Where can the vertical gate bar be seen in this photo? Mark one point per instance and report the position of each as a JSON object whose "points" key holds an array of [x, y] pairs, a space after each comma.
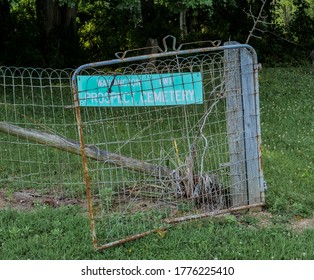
{"points": [[259, 137], [250, 126], [235, 129], [84, 161]]}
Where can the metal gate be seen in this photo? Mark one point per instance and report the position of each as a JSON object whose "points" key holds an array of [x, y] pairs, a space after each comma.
{"points": [[168, 137]]}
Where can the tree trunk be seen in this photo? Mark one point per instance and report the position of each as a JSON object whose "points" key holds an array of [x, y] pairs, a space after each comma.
{"points": [[58, 32], [183, 26], [48, 16], [92, 152], [148, 18], [4, 15]]}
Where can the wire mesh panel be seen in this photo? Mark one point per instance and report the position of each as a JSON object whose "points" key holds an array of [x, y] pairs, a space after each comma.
{"points": [[163, 139], [37, 114]]}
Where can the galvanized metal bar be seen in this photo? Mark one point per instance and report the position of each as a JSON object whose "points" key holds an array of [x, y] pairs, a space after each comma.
{"points": [[159, 55], [258, 132], [214, 213]]}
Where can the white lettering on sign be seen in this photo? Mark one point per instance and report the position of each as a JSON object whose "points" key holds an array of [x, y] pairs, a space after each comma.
{"points": [[118, 82], [146, 97]]}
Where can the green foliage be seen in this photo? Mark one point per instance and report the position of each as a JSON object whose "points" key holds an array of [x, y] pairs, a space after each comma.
{"points": [[21, 37], [302, 24], [105, 27], [186, 4], [69, 3], [290, 38]]}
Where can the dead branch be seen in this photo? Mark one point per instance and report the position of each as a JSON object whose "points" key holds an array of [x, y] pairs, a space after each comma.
{"points": [[256, 21], [92, 152], [202, 188]]}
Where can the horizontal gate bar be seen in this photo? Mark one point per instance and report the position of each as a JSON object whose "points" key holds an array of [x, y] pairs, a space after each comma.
{"points": [[158, 55]]}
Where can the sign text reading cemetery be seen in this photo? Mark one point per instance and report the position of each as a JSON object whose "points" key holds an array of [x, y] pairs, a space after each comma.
{"points": [[141, 90]]}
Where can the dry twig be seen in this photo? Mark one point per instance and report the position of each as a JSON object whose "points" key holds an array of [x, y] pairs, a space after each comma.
{"points": [[257, 20]]}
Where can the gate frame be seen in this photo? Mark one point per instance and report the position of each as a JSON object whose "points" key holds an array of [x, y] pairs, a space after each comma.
{"points": [[241, 71]]}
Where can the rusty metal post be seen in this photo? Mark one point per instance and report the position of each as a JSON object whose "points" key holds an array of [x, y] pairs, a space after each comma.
{"points": [[84, 162]]}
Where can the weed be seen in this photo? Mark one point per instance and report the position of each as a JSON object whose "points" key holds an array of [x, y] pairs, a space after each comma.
{"points": [[107, 195]]}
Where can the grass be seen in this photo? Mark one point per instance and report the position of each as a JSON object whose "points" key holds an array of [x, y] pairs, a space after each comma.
{"points": [[288, 161], [47, 233], [288, 139]]}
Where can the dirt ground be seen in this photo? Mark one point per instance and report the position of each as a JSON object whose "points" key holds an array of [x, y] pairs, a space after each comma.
{"points": [[29, 199], [302, 224], [297, 224]]}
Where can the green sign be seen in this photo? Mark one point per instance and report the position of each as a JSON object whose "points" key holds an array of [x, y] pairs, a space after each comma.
{"points": [[141, 90]]}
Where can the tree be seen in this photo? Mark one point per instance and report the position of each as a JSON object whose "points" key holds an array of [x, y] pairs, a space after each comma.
{"points": [[4, 16], [65, 33], [56, 20], [301, 26], [185, 8]]}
